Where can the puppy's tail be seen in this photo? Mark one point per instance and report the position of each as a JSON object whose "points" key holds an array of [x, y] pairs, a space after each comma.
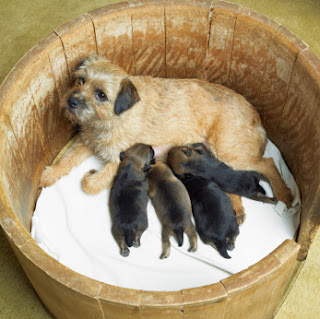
{"points": [[222, 249], [129, 237], [179, 235]]}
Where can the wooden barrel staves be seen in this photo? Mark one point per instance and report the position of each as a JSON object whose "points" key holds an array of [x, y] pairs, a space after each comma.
{"points": [[214, 41]]}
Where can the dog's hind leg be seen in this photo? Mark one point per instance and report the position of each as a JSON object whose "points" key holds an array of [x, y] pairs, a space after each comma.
{"points": [[267, 167], [96, 181], [192, 235], [166, 246], [124, 250], [238, 207]]}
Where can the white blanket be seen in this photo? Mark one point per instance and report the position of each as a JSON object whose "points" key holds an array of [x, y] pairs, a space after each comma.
{"points": [[75, 229]]}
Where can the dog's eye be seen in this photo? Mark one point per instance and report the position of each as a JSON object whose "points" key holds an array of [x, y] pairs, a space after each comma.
{"points": [[100, 96], [81, 80], [200, 152]]}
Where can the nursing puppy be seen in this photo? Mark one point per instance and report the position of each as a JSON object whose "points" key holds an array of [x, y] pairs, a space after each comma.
{"points": [[215, 220], [173, 207], [129, 197], [197, 160], [115, 111]]}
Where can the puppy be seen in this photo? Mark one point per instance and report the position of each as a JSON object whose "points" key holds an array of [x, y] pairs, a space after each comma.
{"points": [[197, 160], [115, 111], [215, 220], [129, 197], [173, 207]]}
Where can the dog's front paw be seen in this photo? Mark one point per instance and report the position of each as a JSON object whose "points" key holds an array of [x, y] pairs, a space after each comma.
{"points": [[49, 176], [93, 184], [241, 218]]}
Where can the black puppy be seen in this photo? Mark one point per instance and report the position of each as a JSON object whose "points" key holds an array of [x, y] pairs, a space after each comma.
{"points": [[198, 161], [216, 222], [173, 207], [129, 197]]}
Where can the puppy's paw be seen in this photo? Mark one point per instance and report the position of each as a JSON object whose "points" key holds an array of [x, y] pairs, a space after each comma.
{"points": [[192, 249], [164, 255], [92, 183], [49, 176], [241, 217], [125, 252]]}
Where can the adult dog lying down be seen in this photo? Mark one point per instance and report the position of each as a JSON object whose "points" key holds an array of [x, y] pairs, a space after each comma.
{"points": [[116, 110]]}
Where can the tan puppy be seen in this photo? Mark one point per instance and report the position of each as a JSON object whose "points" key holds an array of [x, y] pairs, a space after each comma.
{"points": [[173, 207], [115, 111]]}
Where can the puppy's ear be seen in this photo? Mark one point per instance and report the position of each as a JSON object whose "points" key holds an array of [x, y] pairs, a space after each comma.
{"points": [[122, 155], [146, 167], [187, 151], [127, 97]]}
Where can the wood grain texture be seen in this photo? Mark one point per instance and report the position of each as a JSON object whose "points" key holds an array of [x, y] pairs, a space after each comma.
{"points": [[148, 36], [216, 41], [113, 30], [187, 33]]}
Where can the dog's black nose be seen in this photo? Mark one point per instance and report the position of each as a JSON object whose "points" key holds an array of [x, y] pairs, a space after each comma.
{"points": [[73, 102]]}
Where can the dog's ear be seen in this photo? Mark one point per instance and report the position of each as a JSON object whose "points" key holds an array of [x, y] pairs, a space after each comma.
{"points": [[127, 97], [122, 155]]}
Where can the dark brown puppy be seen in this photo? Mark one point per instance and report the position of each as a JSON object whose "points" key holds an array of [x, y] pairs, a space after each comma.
{"points": [[216, 222], [173, 207], [198, 161], [129, 197]]}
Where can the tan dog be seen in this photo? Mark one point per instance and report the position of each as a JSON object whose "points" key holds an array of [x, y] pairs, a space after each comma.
{"points": [[116, 110], [173, 207]]}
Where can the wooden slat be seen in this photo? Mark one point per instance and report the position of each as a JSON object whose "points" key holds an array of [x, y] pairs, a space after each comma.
{"points": [[223, 21], [283, 49], [187, 33], [113, 31], [148, 36], [204, 301], [78, 39], [252, 36], [15, 176], [161, 304], [117, 303], [65, 293], [255, 292]]}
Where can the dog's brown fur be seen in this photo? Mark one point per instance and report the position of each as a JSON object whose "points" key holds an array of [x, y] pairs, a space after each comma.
{"points": [[173, 207], [164, 111]]}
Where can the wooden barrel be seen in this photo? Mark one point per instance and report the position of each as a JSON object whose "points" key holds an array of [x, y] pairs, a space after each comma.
{"points": [[214, 41]]}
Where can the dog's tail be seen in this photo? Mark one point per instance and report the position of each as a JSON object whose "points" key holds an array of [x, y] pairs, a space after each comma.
{"points": [[129, 237], [179, 235], [222, 249]]}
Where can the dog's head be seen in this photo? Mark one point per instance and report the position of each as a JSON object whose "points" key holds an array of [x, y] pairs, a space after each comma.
{"points": [[185, 160], [101, 91], [141, 156]]}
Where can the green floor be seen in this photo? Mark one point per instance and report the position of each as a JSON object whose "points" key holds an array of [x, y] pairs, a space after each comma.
{"points": [[24, 23]]}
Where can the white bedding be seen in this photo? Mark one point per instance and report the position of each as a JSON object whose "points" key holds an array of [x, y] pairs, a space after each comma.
{"points": [[75, 229]]}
